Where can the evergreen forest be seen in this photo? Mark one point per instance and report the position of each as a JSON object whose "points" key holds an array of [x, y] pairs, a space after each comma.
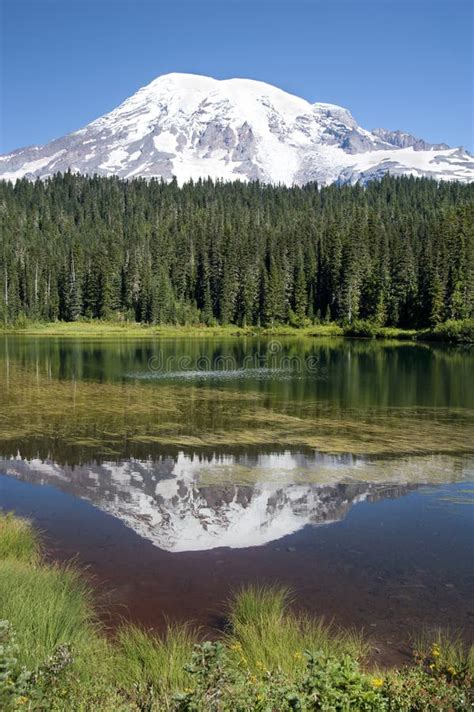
{"points": [[398, 252]]}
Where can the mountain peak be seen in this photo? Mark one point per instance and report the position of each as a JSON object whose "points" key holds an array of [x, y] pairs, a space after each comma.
{"points": [[192, 126]]}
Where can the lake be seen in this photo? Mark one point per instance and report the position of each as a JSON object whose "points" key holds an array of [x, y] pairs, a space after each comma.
{"points": [[177, 470]]}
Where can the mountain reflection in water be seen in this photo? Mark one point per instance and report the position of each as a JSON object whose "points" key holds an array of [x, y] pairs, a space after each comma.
{"points": [[187, 503]]}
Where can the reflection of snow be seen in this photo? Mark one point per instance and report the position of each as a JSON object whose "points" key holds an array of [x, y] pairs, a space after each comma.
{"points": [[189, 504]]}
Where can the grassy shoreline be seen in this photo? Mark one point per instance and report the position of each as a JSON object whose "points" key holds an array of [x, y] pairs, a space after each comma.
{"points": [[54, 655], [135, 330], [450, 331]]}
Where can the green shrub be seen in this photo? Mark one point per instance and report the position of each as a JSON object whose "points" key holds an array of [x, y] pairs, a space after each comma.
{"points": [[359, 327], [15, 679], [365, 328], [460, 331], [327, 683], [413, 689]]}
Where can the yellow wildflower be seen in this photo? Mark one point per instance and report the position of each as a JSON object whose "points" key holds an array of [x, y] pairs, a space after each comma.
{"points": [[22, 700], [435, 651], [298, 656], [377, 681]]}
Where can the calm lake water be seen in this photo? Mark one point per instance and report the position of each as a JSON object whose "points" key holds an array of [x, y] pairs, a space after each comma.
{"points": [[179, 469]]}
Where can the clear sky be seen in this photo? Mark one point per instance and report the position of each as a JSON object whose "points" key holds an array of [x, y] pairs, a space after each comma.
{"points": [[404, 64]]}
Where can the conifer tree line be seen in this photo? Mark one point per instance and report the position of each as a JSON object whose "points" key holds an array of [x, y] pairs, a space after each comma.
{"points": [[399, 251]]}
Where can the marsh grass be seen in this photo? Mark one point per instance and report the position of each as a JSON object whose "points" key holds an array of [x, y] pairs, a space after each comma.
{"points": [[97, 328], [265, 634], [17, 539], [450, 331], [48, 606], [146, 660], [368, 329]]}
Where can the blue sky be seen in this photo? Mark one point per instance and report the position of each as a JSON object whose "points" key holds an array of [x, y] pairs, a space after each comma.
{"points": [[393, 63]]}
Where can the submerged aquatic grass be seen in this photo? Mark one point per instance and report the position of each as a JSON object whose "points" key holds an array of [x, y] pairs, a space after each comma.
{"points": [[214, 374], [71, 421], [408, 470]]}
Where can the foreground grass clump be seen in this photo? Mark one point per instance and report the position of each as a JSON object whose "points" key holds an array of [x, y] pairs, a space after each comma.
{"points": [[265, 634], [17, 540], [55, 656], [47, 606], [156, 666], [51, 648]]}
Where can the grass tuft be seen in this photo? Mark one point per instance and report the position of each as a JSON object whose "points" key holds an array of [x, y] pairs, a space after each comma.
{"points": [[144, 659], [446, 649], [47, 606], [265, 634], [17, 539]]}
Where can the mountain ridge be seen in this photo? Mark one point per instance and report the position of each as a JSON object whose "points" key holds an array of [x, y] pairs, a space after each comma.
{"points": [[190, 126]]}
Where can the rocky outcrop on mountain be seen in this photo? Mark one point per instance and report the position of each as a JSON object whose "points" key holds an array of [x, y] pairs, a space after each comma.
{"points": [[400, 139]]}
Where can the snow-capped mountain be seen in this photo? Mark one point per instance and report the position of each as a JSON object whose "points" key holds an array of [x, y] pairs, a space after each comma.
{"points": [[193, 127], [174, 503]]}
